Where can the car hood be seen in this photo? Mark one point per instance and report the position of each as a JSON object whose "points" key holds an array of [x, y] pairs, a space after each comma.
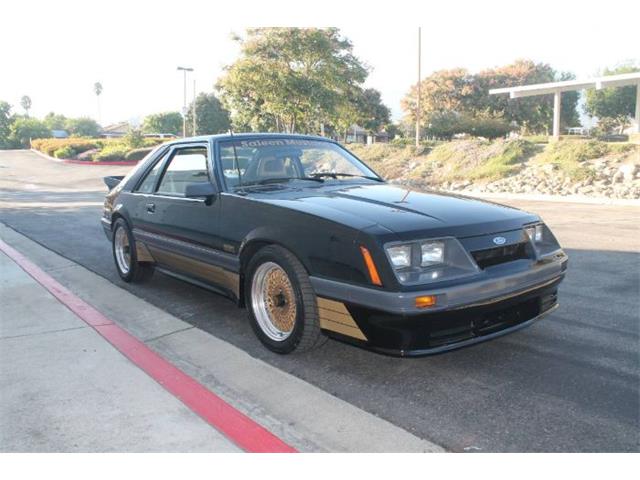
{"points": [[406, 212]]}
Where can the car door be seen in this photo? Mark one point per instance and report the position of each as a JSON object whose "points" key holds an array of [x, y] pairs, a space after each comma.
{"points": [[182, 233]]}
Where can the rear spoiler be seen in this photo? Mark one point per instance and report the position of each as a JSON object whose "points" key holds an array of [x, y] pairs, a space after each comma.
{"points": [[112, 181]]}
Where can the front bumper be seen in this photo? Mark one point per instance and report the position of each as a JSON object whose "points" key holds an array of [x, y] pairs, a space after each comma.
{"points": [[465, 314], [489, 289]]}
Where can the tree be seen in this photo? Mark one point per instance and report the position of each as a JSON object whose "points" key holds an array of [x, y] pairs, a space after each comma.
{"points": [[24, 129], [97, 89], [211, 116], [443, 91], [25, 103], [529, 114], [166, 122], [5, 124], [569, 103], [374, 114], [290, 79], [460, 92], [615, 103], [82, 127], [55, 121]]}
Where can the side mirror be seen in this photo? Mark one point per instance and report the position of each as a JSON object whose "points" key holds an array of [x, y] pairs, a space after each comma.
{"points": [[205, 190], [112, 181]]}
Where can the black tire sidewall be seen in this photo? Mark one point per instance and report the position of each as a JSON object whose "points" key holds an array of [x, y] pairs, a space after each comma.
{"points": [[128, 277], [291, 342]]}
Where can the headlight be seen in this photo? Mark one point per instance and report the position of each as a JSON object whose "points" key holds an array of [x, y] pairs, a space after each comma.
{"points": [[535, 233], [544, 242], [400, 256], [432, 253], [427, 261]]}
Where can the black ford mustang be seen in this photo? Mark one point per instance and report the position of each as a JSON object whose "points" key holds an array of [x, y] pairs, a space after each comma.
{"points": [[314, 243]]}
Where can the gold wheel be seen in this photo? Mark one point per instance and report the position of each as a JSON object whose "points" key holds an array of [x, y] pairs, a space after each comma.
{"points": [[273, 300]]}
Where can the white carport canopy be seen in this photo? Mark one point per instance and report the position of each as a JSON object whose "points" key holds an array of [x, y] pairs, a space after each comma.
{"points": [[556, 88]]}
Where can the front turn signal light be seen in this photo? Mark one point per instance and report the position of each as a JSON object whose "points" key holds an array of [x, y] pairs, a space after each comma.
{"points": [[371, 267], [425, 301]]}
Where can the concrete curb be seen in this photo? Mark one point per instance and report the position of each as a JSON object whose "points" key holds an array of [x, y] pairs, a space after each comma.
{"points": [[301, 414]]}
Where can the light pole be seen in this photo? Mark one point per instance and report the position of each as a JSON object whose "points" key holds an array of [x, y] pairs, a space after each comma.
{"points": [[184, 105], [419, 77], [194, 107]]}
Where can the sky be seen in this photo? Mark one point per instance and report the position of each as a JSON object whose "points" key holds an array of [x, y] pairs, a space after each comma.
{"points": [[54, 51]]}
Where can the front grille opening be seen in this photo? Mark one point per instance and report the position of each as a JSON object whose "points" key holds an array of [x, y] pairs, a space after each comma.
{"points": [[495, 256], [451, 331]]}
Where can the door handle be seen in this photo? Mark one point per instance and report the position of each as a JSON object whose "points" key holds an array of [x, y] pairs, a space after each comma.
{"points": [[151, 207]]}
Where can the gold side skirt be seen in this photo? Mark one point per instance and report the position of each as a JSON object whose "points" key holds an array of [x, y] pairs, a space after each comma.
{"points": [[211, 273]]}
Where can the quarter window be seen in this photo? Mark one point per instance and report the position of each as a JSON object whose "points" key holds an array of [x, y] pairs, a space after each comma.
{"points": [[188, 165], [148, 185]]}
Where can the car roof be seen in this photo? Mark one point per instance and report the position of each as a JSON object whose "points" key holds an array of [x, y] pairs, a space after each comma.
{"points": [[246, 136]]}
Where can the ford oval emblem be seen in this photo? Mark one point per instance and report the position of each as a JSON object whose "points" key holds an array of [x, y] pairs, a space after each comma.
{"points": [[499, 240]]}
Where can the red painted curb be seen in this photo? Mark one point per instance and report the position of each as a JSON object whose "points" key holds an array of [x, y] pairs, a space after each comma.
{"points": [[235, 425]]}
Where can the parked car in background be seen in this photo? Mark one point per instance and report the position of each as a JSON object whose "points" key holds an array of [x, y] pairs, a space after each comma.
{"points": [[314, 243]]}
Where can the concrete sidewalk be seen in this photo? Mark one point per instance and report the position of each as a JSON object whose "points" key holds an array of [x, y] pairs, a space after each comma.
{"points": [[66, 389], [300, 414]]}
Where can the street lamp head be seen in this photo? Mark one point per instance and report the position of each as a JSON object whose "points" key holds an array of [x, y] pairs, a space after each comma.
{"points": [[186, 69]]}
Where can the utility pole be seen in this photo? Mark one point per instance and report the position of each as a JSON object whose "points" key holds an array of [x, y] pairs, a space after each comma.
{"points": [[194, 107], [419, 78], [184, 103]]}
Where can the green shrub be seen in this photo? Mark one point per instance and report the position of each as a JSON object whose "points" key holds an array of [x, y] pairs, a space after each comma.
{"points": [[50, 145], [410, 142], [153, 141], [137, 154], [65, 152], [134, 138], [111, 153], [536, 138], [447, 124]]}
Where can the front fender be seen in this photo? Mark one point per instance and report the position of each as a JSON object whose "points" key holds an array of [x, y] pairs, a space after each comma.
{"points": [[325, 249]]}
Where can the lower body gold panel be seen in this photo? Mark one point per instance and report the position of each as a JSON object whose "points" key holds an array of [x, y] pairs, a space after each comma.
{"points": [[210, 273], [142, 252], [335, 317]]}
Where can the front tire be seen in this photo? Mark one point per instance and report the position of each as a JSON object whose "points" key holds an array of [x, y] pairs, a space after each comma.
{"points": [[281, 301], [125, 255]]}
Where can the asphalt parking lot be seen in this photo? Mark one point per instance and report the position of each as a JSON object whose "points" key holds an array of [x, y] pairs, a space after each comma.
{"points": [[568, 383]]}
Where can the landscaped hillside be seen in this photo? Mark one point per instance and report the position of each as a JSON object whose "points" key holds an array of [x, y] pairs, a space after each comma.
{"points": [[586, 167]]}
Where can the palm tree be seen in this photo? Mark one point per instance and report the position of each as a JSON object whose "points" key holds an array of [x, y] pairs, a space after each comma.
{"points": [[97, 88], [25, 102]]}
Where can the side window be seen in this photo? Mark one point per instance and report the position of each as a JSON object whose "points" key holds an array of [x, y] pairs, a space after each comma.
{"points": [[188, 165], [149, 183]]}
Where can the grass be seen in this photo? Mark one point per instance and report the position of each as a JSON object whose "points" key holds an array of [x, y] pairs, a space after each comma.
{"points": [[507, 162], [477, 159], [484, 160], [570, 155], [448, 161]]}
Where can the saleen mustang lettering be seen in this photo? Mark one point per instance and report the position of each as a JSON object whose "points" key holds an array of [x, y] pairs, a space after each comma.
{"points": [[314, 244]]}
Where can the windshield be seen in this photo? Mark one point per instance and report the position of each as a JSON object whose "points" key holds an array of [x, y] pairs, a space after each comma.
{"points": [[259, 161]]}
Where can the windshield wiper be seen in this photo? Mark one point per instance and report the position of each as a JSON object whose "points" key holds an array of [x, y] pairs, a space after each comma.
{"points": [[338, 174], [266, 181]]}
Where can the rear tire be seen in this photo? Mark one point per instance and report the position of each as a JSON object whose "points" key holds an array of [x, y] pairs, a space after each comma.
{"points": [[281, 302], [125, 255]]}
